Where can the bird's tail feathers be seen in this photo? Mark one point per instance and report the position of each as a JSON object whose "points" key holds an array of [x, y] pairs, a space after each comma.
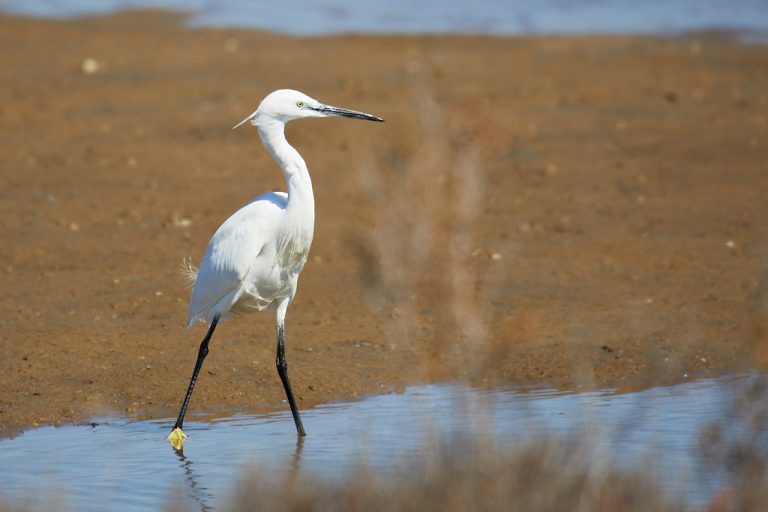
{"points": [[189, 271]]}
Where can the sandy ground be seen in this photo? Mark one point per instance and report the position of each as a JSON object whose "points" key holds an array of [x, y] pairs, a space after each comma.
{"points": [[570, 212]]}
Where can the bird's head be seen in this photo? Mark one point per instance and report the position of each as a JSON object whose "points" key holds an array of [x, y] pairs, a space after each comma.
{"points": [[286, 105]]}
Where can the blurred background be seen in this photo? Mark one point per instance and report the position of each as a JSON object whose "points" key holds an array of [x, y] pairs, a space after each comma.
{"points": [[426, 17]]}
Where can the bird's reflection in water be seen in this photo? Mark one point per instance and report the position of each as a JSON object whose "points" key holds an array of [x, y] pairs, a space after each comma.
{"points": [[199, 494], [296, 461], [204, 497]]}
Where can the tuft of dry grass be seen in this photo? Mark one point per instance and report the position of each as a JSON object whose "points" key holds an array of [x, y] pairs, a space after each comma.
{"points": [[737, 449], [464, 474], [544, 474]]}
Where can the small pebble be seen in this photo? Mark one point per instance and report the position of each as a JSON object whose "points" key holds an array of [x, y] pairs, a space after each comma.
{"points": [[179, 221], [90, 66]]}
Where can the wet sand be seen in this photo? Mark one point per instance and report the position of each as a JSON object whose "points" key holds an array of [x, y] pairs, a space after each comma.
{"points": [[569, 212]]}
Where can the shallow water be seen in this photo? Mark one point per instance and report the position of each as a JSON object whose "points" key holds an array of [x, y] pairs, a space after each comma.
{"points": [[123, 465], [303, 17]]}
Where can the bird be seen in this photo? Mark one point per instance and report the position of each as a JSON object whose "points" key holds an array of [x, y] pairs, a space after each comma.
{"points": [[253, 261]]}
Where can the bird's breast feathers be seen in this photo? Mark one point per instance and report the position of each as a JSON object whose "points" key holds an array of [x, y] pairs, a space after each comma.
{"points": [[293, 249], [253, 259]]}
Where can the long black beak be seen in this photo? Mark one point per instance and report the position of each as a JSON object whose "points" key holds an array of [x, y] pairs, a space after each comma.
{"points": [[344, 112]]}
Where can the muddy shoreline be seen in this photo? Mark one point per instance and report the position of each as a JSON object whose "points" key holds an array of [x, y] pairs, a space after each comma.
{"points": [[581, 211]]}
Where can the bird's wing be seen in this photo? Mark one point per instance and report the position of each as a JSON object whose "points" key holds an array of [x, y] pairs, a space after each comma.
{"points": [[231, 252]]}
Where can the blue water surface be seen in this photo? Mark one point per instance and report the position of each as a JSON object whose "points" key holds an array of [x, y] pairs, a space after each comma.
{"points": [[122, 465], [303, 17]]}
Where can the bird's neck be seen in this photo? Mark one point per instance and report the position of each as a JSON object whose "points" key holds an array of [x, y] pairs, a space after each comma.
{"points": [[301, 200]]}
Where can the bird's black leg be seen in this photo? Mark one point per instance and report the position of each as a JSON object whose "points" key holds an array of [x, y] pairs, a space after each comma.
{"points": [[282, 370], [200, 358]]}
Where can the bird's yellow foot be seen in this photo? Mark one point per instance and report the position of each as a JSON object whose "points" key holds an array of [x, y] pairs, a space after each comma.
{"points": [[177, 437]]}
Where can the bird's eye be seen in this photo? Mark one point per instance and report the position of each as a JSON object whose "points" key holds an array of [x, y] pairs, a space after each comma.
{"points": [[300, 104]]}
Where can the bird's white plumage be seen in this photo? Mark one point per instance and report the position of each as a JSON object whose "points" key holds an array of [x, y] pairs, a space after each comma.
{"points": [[240, 270], [253, 260]]}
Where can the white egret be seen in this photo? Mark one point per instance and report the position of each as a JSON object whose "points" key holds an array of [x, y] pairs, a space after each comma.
{"points": [[253, 261]]}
